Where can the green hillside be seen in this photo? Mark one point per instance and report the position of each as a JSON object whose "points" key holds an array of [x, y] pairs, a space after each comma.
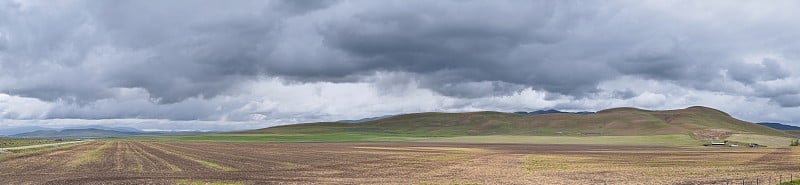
{"points": [[698, 122]]}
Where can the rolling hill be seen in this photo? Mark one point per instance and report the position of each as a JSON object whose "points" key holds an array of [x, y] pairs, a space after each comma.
{"points": [[794, 130], [698, 122]]}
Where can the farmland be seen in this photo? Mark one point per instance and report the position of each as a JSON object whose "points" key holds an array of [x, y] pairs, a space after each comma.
{"points": [[137, 162], [615, 146]]}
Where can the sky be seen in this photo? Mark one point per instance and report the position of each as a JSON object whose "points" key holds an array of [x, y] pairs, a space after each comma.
{"points": [[231, 65]]}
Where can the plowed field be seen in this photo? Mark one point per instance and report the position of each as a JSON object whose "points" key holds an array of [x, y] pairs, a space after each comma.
{"points": [[123, 162]]}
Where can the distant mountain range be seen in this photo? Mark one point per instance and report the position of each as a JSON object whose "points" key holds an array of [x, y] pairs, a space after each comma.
{"points": [[551, 111], [26, 129], [91, 131], [118, 129], [76, 133], [780, 126], [365, 119], [18, 130]]}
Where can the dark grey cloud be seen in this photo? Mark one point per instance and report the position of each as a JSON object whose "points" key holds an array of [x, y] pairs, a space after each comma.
{"points": [[437, 42], [788, 100], [767, 70], [174, 55], [174, 50]]}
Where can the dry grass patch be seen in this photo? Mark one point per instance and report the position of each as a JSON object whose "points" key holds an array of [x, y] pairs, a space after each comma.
{"points": [[425, 149], [452, 182], [447, 157], [290, 166], [203, 162], [159, 160], [198, 182], [557, 163], [450, 149], [94, 156], [213, 165], [435, 153]]}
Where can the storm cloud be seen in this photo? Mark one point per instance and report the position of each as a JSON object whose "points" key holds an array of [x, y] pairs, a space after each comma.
{"points": [[281, 62]]}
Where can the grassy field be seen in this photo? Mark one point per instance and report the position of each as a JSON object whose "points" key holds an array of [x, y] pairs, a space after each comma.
{"points": [[655, 140], [328, 137], [31, 151], [9, 142], [770, 141], [675, 140]]}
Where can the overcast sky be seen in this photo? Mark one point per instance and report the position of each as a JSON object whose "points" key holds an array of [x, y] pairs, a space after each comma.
{"points": [[222, 65]]}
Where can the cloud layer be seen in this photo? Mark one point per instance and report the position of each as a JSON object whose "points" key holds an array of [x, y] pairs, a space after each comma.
{"points": [[277, 62]]}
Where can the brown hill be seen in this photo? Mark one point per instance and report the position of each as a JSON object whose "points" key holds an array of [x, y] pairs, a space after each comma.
{"points": [[699, 122]]}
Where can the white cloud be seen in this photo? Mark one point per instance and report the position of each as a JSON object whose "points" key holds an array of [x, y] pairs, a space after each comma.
{"points": [[15, 107]]}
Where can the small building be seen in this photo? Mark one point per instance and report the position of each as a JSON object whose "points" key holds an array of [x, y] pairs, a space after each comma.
{"points": [[719, 143]]}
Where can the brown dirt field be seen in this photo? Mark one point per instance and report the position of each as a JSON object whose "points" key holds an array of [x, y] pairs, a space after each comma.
{"points": [[124, 162]]}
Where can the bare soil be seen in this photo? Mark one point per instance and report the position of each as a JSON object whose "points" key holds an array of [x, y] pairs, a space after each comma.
{"points": [[126, 162]]}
